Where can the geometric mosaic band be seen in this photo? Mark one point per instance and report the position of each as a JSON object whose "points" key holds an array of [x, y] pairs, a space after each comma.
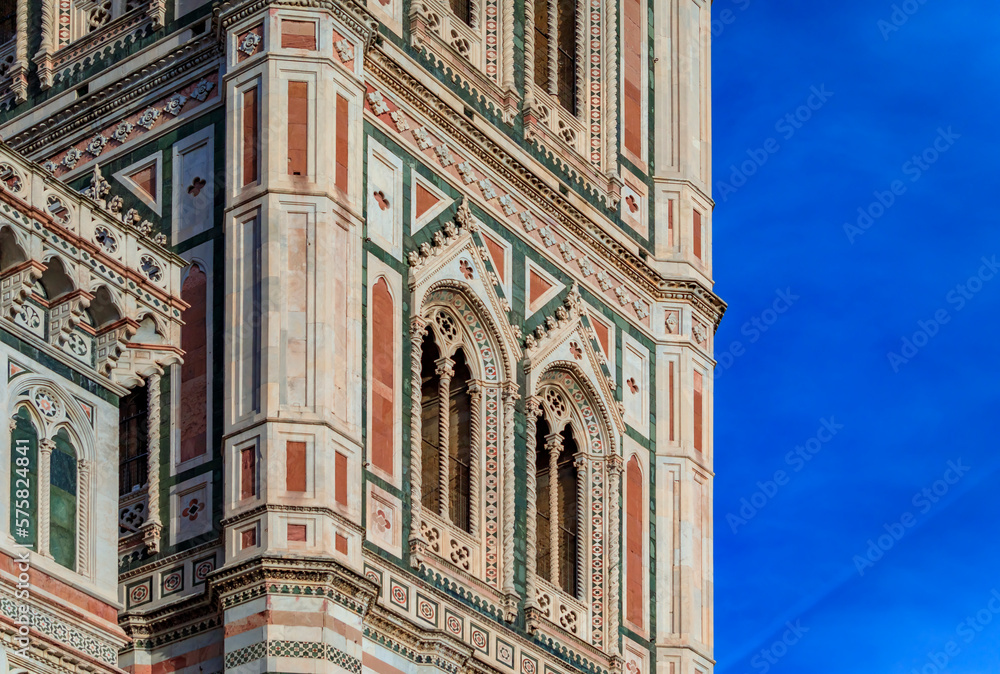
{"points": [[55, 628], [293, 649]]}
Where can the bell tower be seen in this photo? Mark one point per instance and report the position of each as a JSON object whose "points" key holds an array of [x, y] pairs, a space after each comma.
{"points": [[292, 438]]}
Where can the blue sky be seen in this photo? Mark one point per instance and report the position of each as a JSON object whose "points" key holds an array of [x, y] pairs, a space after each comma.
{"points": [[923, 269]]}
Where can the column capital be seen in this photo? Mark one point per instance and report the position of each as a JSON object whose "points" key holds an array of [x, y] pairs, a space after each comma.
{"points": [[445, 367]]}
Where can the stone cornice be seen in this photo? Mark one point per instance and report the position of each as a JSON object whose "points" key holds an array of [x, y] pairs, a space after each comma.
{"points": [[351, 13], [263, 571], [394, 77], [115, 98], [171, 622]]}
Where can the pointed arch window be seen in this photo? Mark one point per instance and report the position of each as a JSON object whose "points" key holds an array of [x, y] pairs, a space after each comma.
{"points": [[462, 445], [558, 514], [47, 478], [573, 515]]}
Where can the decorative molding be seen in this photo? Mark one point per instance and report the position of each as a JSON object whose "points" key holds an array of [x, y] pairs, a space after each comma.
{"points": [[590, 238]]}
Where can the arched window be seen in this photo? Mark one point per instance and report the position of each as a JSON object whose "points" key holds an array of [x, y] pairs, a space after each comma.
{"points": [[462, 441], [557, 515], [62, 501], [11, 254], [633, 542], [446, 426], [24, 480], [194, 371], [133, 446], [556, 40], [55, 280]]}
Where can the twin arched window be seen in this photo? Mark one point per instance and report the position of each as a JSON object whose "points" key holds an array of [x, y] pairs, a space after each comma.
{"points": [[43, 490]]}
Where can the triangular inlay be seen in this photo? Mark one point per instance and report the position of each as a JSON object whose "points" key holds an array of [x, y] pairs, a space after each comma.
{"points": [[497, 256], [144, 179], [428, 202]]}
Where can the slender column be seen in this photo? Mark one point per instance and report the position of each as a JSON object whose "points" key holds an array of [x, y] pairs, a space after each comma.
{"points": [[553, 445], [509, 399], [418, 329], [445, 371], [582, 539], [82, 516], [533, 408], [151, 529], [614, 549], [153, 447], [553, 49], [45, 448], [475, 403]]}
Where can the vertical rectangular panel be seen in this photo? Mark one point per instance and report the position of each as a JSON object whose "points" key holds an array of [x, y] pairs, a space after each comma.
{"points": [[297, 310], [248, 472], [698, 411], [697, 233], [295, 466], [256, 312], [383, 414], [697, 557], [670, 399], [247, 329], [633, 38], [670, 223], [340, 477], [298, 128], [251, 136], [343, 129]]}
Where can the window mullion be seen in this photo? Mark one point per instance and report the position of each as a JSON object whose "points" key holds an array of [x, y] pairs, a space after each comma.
{"points": [[445, 371], [580, 463], [553, 444], [45, 448], [553, 60], [475, 397]]}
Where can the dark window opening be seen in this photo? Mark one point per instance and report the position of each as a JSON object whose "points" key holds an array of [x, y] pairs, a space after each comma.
{"points": [[567, 52], [133, 445]]}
